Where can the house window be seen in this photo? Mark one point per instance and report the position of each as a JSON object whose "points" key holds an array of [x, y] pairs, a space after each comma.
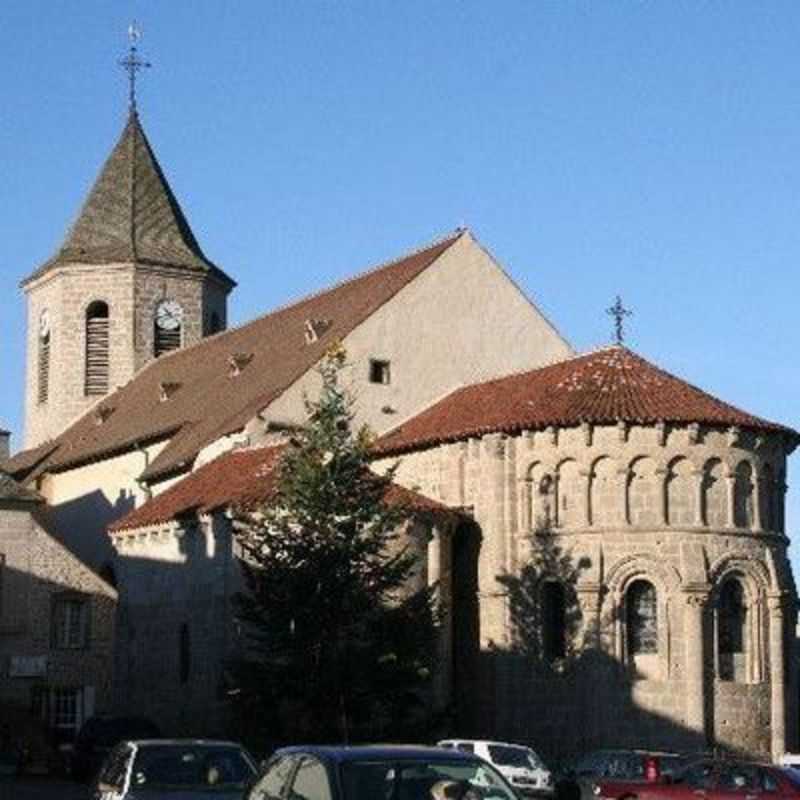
{"points": [[184, 654], [70, 629], [554, 621], [97, 359], [61, 708], [641, 619], [379, 371]]}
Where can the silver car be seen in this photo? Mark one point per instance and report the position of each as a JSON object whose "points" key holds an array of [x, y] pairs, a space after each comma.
{"points": [[174, 769]]}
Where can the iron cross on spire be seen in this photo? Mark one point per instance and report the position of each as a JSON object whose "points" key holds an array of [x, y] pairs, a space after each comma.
{"points": [[619, 312], [132, 64]]}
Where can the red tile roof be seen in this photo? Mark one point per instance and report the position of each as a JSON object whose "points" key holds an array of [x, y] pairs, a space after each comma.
{"points": [[240, 478], [208, 402], [602, 387]]}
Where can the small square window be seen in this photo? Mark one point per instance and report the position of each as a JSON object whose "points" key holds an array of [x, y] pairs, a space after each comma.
{"points": [[379, 371]]}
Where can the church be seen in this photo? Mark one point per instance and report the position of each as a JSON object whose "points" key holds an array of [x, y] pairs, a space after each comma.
{"points": [[608, 541]]}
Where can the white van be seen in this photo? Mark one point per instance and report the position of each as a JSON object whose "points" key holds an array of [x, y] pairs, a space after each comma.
{"points": [[518, 764]]}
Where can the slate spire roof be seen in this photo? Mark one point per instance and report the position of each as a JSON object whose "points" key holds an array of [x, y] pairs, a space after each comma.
{"points": [[604, 387], [132, 216]]}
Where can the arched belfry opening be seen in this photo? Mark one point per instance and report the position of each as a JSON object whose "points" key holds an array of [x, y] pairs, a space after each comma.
{"points": [[97, 349]]}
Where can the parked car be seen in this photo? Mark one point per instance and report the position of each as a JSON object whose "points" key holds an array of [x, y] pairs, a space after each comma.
{"points": [[378, 773], [97, 737], [520, 765], [174, 769], [709, 779], [634, 766]]}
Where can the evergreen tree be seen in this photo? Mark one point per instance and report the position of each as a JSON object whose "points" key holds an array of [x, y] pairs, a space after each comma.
{"points": [[336, 647]]}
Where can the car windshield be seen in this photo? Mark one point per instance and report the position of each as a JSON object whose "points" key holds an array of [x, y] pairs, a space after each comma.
{"points": [[207, 767], [507, 756], [423, 780]]}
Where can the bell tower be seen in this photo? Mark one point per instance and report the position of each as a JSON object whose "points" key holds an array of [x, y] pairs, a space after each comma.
{"points": [[129, 283]]}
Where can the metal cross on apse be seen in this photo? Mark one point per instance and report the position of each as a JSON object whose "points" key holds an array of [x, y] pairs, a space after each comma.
{"points": [[132, 64], [619, 312]]}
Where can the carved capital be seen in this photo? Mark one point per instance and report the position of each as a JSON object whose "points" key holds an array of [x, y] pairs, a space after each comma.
{"points": [[696, 599], [694, 433]]}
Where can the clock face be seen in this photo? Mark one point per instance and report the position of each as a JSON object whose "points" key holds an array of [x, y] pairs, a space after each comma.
{"points": [[169, 315], [44, 324]]}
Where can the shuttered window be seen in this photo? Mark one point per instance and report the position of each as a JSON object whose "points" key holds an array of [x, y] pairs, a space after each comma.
{"points": [[44, 367], [97, 356], [166, 340]]}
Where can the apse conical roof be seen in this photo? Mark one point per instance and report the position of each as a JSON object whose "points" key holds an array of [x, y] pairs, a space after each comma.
{"points": [[132, 215]]}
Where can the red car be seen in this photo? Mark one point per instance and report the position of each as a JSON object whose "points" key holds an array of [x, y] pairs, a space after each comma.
{"points": [[709, 780]]}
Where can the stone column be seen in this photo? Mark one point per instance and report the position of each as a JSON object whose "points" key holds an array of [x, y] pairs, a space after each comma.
{"points": [[585, 518], [777, 676], [590, 601], [730, 485], [694, 636], [661, 476], [698, 497], [624, 474], [758, 510]]}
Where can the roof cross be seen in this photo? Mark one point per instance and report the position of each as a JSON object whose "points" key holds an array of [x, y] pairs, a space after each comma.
{"points": [[132, 64], [619, 312]]}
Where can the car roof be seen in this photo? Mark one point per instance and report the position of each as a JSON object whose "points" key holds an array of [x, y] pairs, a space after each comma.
{"points": [[488, 743], [393, 752], [184, 743]]}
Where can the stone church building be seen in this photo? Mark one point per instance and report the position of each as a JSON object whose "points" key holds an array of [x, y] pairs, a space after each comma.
{"points": [[608, 541]]}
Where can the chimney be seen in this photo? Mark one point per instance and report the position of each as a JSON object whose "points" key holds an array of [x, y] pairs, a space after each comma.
{"points": [[5, 444]]}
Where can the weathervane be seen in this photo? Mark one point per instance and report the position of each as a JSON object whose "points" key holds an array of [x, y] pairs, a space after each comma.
{"points": [[133, 64], [619, 312]]}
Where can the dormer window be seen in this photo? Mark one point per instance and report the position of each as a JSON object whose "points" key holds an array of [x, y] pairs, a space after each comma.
{"points": [[237, 362], [379, 371], [314, 328], [167, 389]]}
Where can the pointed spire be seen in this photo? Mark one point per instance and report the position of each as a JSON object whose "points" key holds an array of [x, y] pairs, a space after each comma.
{"points": [[131, 215]]}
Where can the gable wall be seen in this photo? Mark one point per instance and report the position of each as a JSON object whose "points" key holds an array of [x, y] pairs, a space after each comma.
{"points": [[462, 320]]}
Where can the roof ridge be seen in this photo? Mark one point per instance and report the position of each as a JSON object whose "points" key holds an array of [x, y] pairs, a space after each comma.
{"points": [[452, 236]]}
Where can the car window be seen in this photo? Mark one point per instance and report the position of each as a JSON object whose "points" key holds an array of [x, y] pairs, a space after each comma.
{"points": [[310, 781], [210, 767], [591, 764], [466, 747], [507, 756], [738, 777], [768, 781], [115, 767], [271, 784], [698, 776]]}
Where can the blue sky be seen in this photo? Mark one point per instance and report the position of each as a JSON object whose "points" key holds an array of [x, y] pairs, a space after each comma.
{"points": [[642, 148]]}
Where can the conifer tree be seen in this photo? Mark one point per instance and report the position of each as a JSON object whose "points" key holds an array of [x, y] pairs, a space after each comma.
{"points": [[336, 647]]}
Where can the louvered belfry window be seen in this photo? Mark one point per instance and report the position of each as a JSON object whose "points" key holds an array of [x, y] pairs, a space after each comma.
{"points": [[97, 356], [44, 367]]}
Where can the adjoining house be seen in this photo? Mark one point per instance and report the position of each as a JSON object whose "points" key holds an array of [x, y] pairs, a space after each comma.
{"points": [[56, 623], [179, 568]]}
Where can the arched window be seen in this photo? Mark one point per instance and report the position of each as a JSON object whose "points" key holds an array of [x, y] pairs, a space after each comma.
{"points": [[554, 621], [603, 502], [643, 494], [97, 362], [167, 327], [743, 496], [714, 500], [569, 495], [541, 498], [43, 388], [732, 631], [641, 618], [680, 493]]}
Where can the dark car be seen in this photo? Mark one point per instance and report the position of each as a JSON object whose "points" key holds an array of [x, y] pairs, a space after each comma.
{"points": [[709, 779], [175, 769], [99, 734], [378, 773]]}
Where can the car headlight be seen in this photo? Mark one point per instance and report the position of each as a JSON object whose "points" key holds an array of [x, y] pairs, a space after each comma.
{"points": [[596, 790]]}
